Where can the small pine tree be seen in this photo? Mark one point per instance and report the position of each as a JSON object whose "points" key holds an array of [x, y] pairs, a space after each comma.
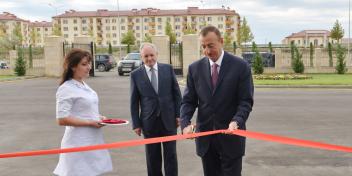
{"points": [[311, 54], [254, 47], [330, 54], [20, 67], [340, 64], [258, 63], [110, 48], [292, 46], [30, 57], [270, 47], [234, 47], [297, 64]]}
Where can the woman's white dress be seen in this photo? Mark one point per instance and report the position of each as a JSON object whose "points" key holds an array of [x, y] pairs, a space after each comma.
{"points": [[78, 100]]}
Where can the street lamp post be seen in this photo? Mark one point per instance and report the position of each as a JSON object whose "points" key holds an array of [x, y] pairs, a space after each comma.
{"points": [[349, 31], [119, 26]]}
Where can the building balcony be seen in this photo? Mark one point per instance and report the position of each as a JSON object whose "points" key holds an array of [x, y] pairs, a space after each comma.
{"points": [[230, 30], [229, 22], [151, 23]]}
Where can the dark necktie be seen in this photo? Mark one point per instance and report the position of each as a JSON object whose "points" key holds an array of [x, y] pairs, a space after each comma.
{"points": [[214, 74]]}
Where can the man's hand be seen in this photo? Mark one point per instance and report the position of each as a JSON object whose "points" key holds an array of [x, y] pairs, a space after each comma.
{"points": [[189, 129], [178, 122], [232, 126], [138, 131]]}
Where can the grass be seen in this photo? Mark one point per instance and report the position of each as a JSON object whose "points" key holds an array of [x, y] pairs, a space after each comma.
{"points": [[6, 76], [318, 79]]}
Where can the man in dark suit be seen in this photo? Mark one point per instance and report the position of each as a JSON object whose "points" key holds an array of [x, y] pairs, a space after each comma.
{"points": [[155, 109], [220, 85]]}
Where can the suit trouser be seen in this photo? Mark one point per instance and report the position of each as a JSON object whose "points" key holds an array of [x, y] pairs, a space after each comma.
{"points": [[153, 152], [217, 164]]}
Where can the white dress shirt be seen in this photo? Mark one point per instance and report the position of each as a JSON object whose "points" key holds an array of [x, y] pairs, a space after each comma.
{"points": [[218, 62], [149, 73]]}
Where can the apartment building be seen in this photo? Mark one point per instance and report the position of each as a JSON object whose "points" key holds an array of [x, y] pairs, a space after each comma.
{"points": [[107, 26], [8, 23], [305, 37], [38, 31]]}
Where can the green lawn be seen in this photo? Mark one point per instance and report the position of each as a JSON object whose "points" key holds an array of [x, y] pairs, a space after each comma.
{"points": [[6, 76], [318, 79]]}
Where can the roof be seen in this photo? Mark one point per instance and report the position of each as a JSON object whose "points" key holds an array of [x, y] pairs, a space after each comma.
{"points": [[10, 16], [40, 24], [310, 33], [147, 12]]}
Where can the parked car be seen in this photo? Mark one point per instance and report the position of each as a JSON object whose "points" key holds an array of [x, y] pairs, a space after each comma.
{"points": [[268, 58], [104, 62], [3, 65], [130, 62]]}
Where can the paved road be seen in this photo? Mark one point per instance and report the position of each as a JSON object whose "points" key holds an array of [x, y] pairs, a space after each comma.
{"points": [[27, 122]]}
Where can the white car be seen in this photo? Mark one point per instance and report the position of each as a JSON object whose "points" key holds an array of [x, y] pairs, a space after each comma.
{"points": [[3, 65]]}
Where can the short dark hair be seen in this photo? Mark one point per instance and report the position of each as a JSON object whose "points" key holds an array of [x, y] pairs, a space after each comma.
{"points": [[208, 29], [72, 59]]}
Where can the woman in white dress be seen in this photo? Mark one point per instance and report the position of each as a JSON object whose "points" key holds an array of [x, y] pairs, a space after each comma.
{"points": [[77, 109]]}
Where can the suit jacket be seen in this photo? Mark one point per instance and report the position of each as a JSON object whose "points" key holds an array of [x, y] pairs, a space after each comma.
{"points": [[146, 104], [232, 99]]}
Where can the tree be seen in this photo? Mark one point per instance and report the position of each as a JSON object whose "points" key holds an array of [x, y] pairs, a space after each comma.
{"points": [[128, 39], [234, 46], [245, 35], [257, 65], [33, 37], [337, 31], [330, 54], [227, 39], [292, 46], [189, 30], [297, 64], [147, 38], [170, 33], [340, 64], [110, 48], [17, 36], [57, 30], [30, 57], [311, 54], [270, 47], [20, 67]]}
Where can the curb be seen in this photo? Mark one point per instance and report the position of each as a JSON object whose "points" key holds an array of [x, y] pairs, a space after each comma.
{"points": [[19, 78]]}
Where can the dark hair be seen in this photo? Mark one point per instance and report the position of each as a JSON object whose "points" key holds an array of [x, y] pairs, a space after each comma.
{"points": [[204, 32], [72, 59]]}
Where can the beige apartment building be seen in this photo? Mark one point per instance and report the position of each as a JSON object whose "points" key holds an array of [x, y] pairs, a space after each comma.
{"points": [[39, 30], [8, 23], [104, 26], [305, 37]]}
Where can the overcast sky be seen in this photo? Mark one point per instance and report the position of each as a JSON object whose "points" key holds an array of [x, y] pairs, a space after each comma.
{"points": [[270, 20]]}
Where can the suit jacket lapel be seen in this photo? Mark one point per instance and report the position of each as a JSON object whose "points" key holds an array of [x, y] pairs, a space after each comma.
{"points": [[206, 71], [146, 78], [160, 77], [223, 70]]}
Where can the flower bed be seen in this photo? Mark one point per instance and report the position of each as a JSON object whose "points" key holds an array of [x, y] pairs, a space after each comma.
{"points": [[282, 77]]}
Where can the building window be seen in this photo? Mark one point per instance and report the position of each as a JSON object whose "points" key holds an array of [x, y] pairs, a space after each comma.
{"points": [[159, 20], [209, 18], [114, 28], [75, 28], [145, 27], [107, 21], [107, 28], [75, 35], [66, 35], [65, 28], [146, 20], [137, 20], [122, 20], [177, 19], [38, 29], [299, 42], [168, 19], [74, 21], [84, 28], [122, 27], [46, 29], [64, 21], [178, 34], [315, 42], [114, 35], [84, 21], [113, 20], [220, 26], [137, 28], [220, 19], [177, 27], [159, 27]]}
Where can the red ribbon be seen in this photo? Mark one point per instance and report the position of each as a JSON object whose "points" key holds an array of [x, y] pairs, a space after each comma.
{"points": [[123, 144]]}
